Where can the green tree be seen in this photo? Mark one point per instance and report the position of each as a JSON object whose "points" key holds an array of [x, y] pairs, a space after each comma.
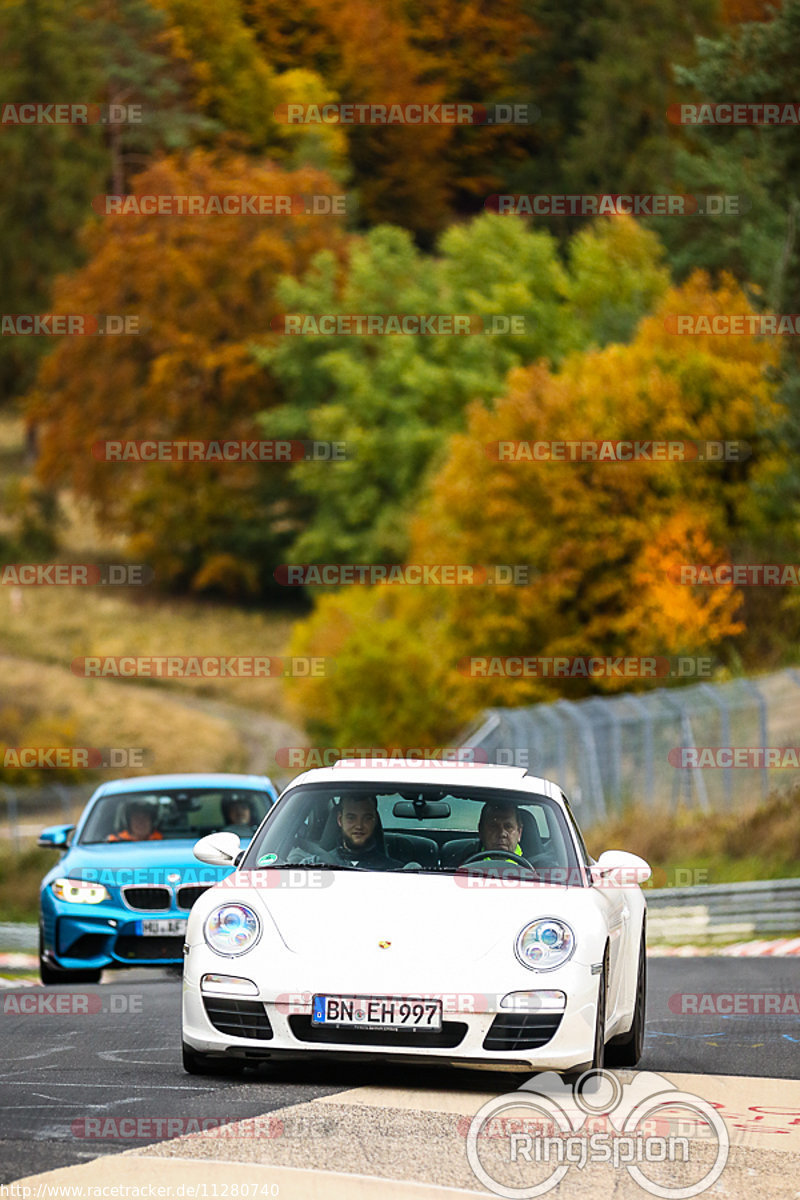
{"points": [[392, 400], [599, 538]]}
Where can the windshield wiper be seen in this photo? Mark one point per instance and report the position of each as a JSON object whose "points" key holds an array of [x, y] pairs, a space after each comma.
{"points": [[307, 866]]}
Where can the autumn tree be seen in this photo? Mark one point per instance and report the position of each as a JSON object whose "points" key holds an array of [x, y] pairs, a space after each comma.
{"points": [[392, 400], [202, 288], [598, 538]]}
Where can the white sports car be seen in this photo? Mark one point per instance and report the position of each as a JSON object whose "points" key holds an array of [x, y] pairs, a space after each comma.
{"points": [[419, 912]]}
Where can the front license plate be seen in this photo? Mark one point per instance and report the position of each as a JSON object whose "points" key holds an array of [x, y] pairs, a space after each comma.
{"points": [[377, 1012], [163, 927]]}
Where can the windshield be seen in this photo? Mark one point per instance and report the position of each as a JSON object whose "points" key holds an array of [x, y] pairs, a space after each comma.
{"points": [[173, 814], [416, 827]]}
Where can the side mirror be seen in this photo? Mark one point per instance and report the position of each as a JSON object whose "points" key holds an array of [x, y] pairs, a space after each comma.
{"points": [[617, 868], [218, 849], [55, 837]]}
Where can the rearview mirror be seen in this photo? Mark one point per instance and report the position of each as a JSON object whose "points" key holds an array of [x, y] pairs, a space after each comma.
{"points": [[422, 810], [218, 849]]}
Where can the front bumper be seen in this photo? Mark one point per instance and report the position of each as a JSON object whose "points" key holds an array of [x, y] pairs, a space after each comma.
{"points": [[273, 1024], [93, 937]]}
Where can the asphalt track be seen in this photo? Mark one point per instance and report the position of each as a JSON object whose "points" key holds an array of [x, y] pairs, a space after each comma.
{"points": [[124, 1061]]}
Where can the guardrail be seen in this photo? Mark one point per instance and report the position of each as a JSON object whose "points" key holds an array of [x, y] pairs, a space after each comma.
{"points": [[723, 912]]}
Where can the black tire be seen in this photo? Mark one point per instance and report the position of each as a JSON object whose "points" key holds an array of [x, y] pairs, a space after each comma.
{"points": [[599, 1053], [626, 1050], [58, 975], [195, 1063]]}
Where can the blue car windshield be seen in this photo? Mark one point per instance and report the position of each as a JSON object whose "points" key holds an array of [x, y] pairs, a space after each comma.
{"points": [[174, 814], [416, 827]]}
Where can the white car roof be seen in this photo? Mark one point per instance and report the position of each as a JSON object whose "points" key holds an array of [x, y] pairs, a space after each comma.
{"points": [[404, 771]]}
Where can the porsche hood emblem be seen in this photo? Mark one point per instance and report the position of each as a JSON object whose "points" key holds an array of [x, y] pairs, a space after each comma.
{"points": [[384, 945]]}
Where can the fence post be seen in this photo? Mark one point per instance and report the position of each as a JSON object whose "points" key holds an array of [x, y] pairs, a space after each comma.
{"points": [[716, 698], [649, 765], [13, 817], [572, 710], [762, 731]]}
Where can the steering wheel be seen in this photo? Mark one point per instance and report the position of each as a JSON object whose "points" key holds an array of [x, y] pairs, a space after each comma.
{"points": [[498, 856]]}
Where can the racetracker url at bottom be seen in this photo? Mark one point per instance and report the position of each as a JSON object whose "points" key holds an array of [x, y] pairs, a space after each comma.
{"points": [[139, 1191]]}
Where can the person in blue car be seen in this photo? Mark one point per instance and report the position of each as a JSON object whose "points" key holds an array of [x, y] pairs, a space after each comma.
{"points": [[141, 824], [237, 810], [361, 835]]}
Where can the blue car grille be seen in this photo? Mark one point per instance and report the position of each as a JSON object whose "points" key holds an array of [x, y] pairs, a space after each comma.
{"points": [[190, 893], [150, 898]]}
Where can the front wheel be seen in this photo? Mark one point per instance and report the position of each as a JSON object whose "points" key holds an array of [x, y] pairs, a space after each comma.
{"points": [[625, 1051], [195, 1063]]}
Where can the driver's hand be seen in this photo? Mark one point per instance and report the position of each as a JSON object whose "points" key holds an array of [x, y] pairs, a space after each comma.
{"points": [[296, 855]]}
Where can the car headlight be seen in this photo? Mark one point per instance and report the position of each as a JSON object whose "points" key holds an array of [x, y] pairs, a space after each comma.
{"points": [[232, 929], [544, 945], [79, 891]]}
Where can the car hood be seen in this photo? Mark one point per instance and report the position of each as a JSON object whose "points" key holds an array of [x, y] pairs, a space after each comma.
{"points": [[425, 919], [141, 863]]}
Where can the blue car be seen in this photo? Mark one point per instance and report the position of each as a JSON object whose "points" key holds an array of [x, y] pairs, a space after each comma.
{"points": [[122, 890]]}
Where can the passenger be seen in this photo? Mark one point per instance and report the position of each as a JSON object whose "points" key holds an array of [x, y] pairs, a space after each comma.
{"points": [[237, 810], [361, 835]]}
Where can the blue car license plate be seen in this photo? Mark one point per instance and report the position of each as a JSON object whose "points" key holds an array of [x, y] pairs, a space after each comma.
{"points": [[162, 927]]}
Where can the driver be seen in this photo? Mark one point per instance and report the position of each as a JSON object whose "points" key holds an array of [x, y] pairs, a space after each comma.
{"points": [[361, 835], [500, 828], [237, 810], [141, 824]]}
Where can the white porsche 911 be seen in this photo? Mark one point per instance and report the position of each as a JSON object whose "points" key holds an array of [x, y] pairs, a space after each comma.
{"points": [[419, 912]]}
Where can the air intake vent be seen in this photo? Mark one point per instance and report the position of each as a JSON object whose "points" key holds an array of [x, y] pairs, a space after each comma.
{"points": [[522, 1031], [238, 1018]]}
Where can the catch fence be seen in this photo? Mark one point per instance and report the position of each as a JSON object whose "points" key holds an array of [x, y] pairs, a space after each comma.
{"points": [[606, 752]]}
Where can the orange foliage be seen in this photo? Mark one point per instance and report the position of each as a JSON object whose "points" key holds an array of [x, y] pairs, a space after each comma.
{"points": [[203, 290], [599, 537]]}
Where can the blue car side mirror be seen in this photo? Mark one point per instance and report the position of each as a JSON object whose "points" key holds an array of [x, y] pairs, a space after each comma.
{"points": [[55, 836]]}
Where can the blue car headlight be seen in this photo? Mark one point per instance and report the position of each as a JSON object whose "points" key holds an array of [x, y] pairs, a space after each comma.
{"points": [[545, 944], [79, 891], [232, 929]]}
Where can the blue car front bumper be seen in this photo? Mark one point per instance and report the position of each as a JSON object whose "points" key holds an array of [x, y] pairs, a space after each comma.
{"points": [[90, 937]]}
